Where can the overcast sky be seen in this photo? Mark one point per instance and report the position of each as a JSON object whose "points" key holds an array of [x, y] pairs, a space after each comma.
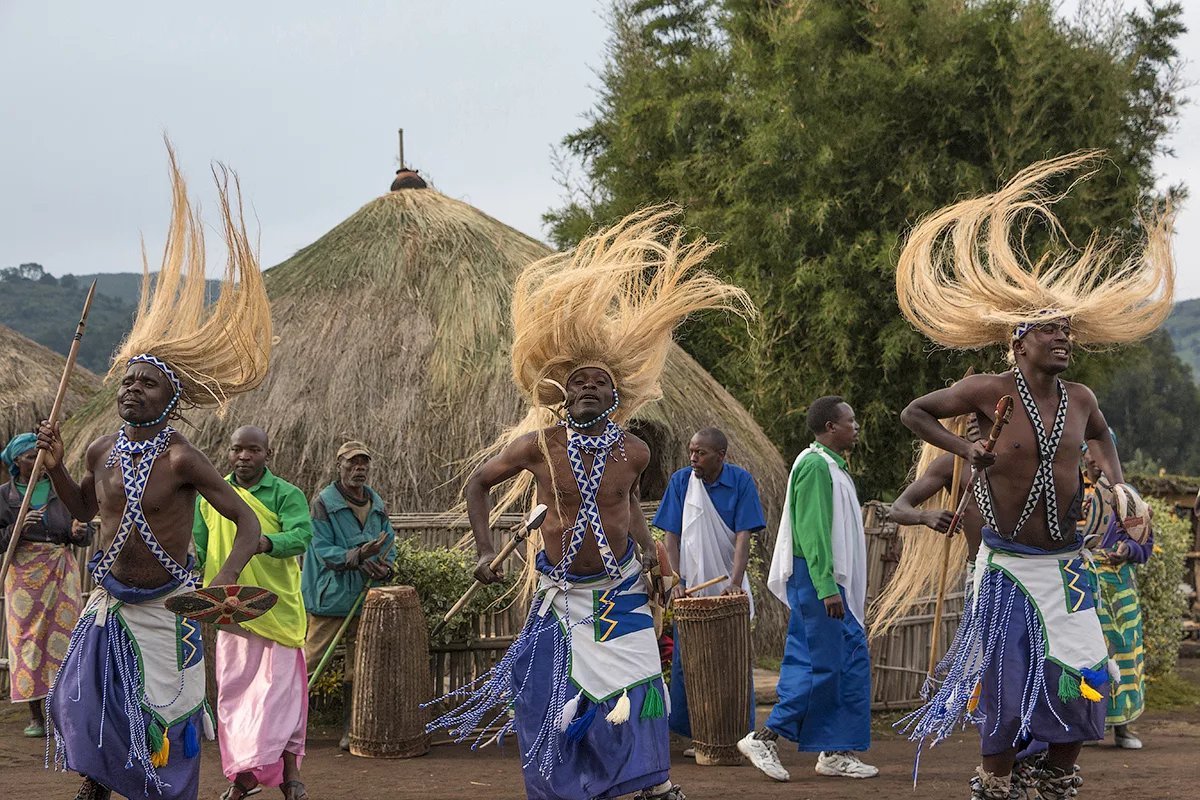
{"points": [[303, 98]]}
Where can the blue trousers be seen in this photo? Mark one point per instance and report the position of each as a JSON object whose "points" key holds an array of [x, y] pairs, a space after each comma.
{"points": [[825, 679]]}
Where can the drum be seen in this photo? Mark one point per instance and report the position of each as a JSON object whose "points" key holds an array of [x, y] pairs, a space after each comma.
{"points": [[391, 676], [714, 635]]}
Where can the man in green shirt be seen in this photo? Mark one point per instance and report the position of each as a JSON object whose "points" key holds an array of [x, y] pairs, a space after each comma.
{"points": [[262, 687], [819, 570]]}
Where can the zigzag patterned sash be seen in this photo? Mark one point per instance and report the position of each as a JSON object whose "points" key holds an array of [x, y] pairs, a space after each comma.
{"points": [[589, 485], [1043, 477], [134, 477]]}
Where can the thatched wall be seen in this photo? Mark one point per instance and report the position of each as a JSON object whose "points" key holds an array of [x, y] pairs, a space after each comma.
{"points": [[29, 376], [393, 328]]}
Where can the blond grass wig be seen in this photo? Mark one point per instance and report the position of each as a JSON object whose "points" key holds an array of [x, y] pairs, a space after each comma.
{"points": [[965, 278], [613, 302], [217, 351]]}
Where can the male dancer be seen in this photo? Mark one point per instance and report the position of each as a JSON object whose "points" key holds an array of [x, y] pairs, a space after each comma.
{"points": [[128, 706], [1032, 661], [592, 330]]}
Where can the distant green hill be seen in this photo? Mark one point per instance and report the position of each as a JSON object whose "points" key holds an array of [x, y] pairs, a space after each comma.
{"points": [[45, 309], [1184, 327]]}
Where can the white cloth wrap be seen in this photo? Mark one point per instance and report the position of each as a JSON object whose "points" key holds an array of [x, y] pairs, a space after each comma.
{"points": [[1073, 638], [602, 669], [848, 540], [706, 544], [168, 691]]}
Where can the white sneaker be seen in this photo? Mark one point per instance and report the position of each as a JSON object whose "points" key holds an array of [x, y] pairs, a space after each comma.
{"points": [[765, 755], [842, 764], [689, 752]]}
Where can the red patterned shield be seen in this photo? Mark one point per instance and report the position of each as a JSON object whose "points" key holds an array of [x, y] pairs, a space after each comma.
{"points": [[223, 605]]}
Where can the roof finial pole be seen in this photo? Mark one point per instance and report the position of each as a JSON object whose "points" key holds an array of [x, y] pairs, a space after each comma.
{"points": [[400, 131]]}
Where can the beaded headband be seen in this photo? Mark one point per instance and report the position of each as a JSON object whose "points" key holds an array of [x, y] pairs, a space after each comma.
{"points": [[1040, 318], [146, 358]]}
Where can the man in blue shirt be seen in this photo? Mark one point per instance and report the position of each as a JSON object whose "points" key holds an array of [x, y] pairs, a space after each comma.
{"points": [[709, 512]]}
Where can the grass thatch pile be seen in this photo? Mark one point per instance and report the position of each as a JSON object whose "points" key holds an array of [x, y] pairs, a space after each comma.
{"points": [[29, 376], [393, 329]]}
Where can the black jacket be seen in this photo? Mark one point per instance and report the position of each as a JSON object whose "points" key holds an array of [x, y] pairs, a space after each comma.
{"points": [[54, 528]]}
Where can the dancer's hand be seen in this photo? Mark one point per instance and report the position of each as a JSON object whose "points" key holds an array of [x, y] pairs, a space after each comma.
{"points": [[33, 517], [979, 456], [50, 443], [678, 591], [264, 544], [484, 572], [732, 588], [834, 606], [938, 519]]}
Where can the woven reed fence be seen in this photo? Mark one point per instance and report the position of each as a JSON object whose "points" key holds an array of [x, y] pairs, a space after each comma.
{"points": [[898, 660]]}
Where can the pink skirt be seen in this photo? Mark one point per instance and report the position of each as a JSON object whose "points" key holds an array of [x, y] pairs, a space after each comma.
{"points": [[262, 704]]}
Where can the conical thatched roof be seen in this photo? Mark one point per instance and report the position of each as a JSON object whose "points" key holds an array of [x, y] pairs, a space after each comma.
{"points": [[29, 376], [393, 328]]}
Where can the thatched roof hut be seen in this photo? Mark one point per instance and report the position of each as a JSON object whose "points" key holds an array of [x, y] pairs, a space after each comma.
{"points": [[393, 328], [29, 376]]}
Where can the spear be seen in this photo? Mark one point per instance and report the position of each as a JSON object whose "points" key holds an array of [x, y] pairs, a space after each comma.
{"points": [[55, 410]]}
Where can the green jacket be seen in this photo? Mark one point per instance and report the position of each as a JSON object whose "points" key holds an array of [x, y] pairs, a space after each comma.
{"points": [[330, 581]]}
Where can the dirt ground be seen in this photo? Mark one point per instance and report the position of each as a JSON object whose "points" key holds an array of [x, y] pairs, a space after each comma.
{"points": [[1166, 768]]}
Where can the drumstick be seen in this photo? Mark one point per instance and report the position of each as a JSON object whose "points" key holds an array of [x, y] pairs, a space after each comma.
{"points": [[705, 585]]}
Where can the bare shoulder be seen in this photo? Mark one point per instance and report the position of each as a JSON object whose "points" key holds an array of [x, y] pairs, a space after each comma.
{"points": [[186, 457], [1080, 392], [987, 383], [637, 451], [98, 450]]}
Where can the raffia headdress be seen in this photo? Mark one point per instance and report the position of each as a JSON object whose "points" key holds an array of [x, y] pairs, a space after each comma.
{"points": [[966, 280], [210, 352], [613, 302]]}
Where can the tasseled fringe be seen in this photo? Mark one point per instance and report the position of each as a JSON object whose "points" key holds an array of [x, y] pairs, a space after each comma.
{"points": [[620, 712], [210, 732], [155, 738], [1114, 671], [191, 739], [568, 712], [652, 704], [1090, 680], [1068, 687], [579, 727], [1088, 692], [160, 756], [973, 703]]}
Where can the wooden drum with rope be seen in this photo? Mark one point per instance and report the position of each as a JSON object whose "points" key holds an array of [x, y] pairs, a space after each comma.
{"points": [[391, 676], [714, 635]]}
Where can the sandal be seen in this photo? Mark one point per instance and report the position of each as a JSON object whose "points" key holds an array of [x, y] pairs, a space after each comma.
{"points": [[228, 794], [303, 790], [35, 730], [674, 793]]}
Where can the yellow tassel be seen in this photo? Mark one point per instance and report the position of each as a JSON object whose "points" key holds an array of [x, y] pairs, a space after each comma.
{"points": [[620, 712], [973, 703], [159, 759], [1088, 692]]}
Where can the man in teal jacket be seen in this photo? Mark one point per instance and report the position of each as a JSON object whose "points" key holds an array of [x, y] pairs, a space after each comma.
{"points": [[350, 531]]}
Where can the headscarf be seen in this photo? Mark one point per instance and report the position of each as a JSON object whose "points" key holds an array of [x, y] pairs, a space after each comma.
{"points": [[20, 444]]}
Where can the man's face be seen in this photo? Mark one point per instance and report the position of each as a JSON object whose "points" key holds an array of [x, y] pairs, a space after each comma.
{"points": [[1090, 466], [353, 472], [248, 455], [144, 393], [843, 433], [705, 458], [589, 392], [1046, 348]]}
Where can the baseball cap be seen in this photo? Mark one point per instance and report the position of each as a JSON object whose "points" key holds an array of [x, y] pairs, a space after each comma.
{"points": [[353, 448]]}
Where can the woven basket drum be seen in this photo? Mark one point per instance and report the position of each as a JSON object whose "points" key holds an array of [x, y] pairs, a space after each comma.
{"points": [[714, 635], [391, 679]]}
